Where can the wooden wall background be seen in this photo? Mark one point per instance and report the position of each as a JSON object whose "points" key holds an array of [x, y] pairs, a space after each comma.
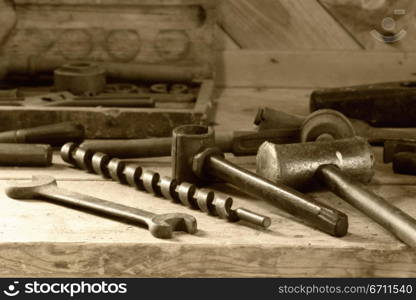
{"points": [[310, 43]]}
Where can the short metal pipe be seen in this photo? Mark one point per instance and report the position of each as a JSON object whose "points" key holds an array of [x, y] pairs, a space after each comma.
{"points": [[29, 155]]}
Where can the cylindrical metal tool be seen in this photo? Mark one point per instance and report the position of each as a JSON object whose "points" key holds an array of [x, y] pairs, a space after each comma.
{"points": [[391, 147], [239, 143], [242, 143], [25, 155], [53, 134], [131, 72], [404, 163], [323, 217], [80, 78], [187, 141], [390, 217], [132, 148], [383, 104], [268, 118], [195, 161], [339, 164]]}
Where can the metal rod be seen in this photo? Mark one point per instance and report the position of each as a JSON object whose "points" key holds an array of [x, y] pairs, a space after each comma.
{"points": [[390, 217], [325, 218]]}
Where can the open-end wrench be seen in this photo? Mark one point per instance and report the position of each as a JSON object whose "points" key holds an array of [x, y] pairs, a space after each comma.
{"points": [[160, 225]]}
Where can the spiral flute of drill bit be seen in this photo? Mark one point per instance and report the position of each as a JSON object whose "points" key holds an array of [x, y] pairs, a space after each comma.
{"points": [[135, 176]]}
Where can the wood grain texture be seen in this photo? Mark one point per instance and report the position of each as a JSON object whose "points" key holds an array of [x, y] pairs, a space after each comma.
{"points": [[175, 260], [360, 18], [311, 69], [207, 3], [67, 242], [282, 25], [41, 239], [223, 41], [106, 122]]}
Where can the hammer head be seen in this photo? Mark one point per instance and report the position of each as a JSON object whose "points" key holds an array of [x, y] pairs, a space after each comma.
{"points": [[28, 190], [295, 164], [163, 225]]}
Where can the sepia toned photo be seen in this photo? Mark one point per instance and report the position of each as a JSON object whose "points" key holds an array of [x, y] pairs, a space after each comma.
{"points": [[207, 139]]}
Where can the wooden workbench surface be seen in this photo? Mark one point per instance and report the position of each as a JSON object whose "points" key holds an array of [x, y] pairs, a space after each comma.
{"points": [[42, 239]]}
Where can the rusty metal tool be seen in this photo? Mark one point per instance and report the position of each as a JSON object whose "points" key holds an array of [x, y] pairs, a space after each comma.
{"points": [[340, 165], [33, 155], [52, 134], [122, 71], [160, 225], [384, 104], [135, 176], [195, 159], [296, 164], [268, 118], [83, 78], [404, 163], [392, 147], [239, 143]]}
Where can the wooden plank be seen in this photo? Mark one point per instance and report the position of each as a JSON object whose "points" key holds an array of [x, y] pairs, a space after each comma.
{"points": [[156, 33], [364, 21], [282, 25], [105, 122], [248, 68], [105, 259]]}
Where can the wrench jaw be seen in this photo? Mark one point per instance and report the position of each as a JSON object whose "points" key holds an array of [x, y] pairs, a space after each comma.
{"points": [[163, 225], [28, 190]]}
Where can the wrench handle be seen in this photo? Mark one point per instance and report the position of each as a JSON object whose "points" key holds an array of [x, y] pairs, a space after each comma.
{"points": [[92, 204]]}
